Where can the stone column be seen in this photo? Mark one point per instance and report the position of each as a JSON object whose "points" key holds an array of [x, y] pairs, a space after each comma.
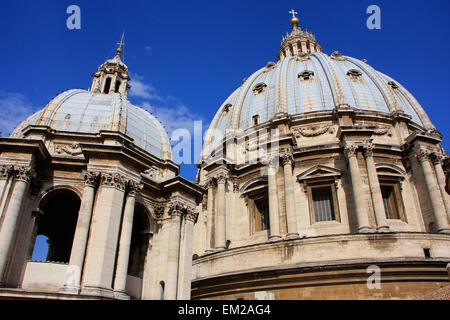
{"points": [[375, 189], [274, 218], [437, 162], [22, 178], [120, 279], [185, 270], [440, 216], [220, 235], [73, 274], [101, 253], [176, 210], [5, 174], [210, 208], [287, 162], [360, 201]]}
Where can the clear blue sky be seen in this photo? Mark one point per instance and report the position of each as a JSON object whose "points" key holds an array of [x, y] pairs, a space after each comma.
{"points": [[186, 57]]}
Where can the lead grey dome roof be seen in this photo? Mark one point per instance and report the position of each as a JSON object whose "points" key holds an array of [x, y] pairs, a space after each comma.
{"points": [[314, 82], [79, 110]]}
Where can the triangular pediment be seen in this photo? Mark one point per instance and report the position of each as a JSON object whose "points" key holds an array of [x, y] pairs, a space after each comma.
{"points": [[319, 171]]}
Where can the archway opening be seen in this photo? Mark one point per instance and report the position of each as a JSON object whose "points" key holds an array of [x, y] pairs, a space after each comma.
{"points": [[139, 242], [57, 226]]}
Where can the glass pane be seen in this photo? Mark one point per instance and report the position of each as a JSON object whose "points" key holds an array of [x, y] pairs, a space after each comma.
{"points": [[323, 204]]}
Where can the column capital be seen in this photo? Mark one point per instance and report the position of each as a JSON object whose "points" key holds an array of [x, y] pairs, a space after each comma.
{"points": [[221, 178], [437, 157], [113, 180], [177, 207], [191, 214], [91, 178], [287, 159], [211, 183], [134, 188], [6, 171], [23, 173], [368, 149], [350, 150], [421, 154]]}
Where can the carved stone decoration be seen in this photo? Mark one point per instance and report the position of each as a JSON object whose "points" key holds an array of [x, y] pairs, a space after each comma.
{"points": [[422, 154], [73, 149], [235, 185], [91, 178], [177, 207], [134, 188], [191, 214], [159, 211], [23, 173], [380, 130], [152, 174], [433, 133], [437, 157], [221, 178], [393, 85], [211, 183], [350, 150], [6, 171], [354, 74], [306, 75], [303, 56], [286, 159], [114, 180], [227, 107], [368, 149], [313, 131], [259, 88], [204, 202], [337, 56], [270, 65]]}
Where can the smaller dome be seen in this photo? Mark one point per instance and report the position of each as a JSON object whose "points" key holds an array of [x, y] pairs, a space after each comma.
{"points": [[83, 111]]}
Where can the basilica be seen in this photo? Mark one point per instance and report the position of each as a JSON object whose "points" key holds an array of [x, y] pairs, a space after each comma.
{"points": [[320, 178]]}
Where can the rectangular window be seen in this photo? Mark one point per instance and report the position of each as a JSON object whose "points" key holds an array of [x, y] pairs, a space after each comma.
{"points": [[323, 204], [390, 202], [261, 215]]}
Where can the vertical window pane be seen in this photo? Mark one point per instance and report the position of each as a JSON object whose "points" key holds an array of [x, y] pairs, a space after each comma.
{"points": [[390, 203], [323, 204], [261, 215]]}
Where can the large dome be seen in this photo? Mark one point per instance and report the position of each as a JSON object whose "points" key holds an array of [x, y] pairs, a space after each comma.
{"points": [[84, 111], [307, 80]]}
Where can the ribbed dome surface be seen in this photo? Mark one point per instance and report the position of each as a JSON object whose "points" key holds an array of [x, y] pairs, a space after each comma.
{"points": [[314, 82], [84, 111]]}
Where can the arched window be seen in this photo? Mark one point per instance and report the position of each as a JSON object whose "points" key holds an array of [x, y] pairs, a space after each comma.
{"points": [[56, 228], [107, 85], [117, 87]]}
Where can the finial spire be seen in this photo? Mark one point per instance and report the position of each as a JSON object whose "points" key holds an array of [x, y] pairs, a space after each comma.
{"points": [[293, 12], [121, 44], [294, 21]]}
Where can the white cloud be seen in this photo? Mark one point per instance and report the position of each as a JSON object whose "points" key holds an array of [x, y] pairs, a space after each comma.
{"points": [[143, 90], [14, 108]]}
